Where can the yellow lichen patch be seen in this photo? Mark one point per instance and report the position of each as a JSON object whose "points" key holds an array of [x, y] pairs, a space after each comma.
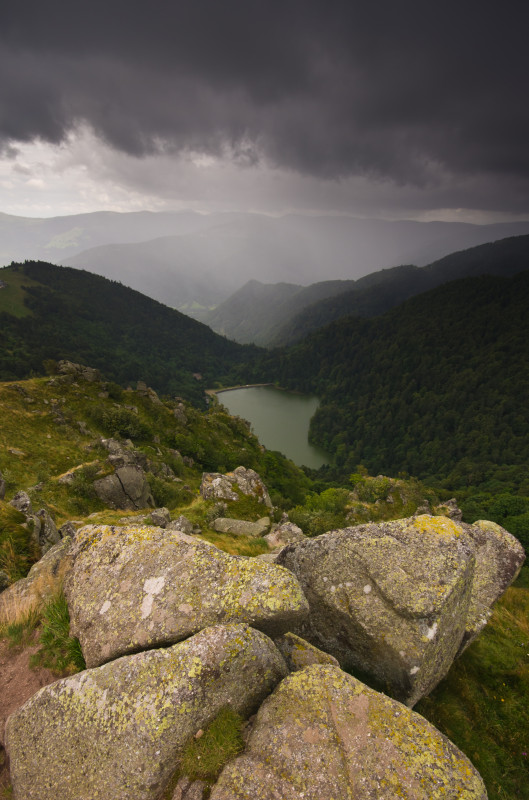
{"points": [[440, 526]]}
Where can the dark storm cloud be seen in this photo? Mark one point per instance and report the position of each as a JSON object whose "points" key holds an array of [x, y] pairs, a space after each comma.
{"points": [[402, 90]]}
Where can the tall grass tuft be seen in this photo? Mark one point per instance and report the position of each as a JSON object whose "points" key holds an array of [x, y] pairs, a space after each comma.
{"points": [[58, 650]]}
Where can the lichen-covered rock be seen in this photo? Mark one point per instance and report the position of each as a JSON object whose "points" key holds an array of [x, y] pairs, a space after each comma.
{"points": [[78, 371], [241, 527], [283, 534], [160, 517], [390, 598], [499, 559], [117, 732], [46, 530], [216, 486], [182, 524], [299, 653], [136, 588], [126, 488], [22, 502], [323, 735], [43, 580]]}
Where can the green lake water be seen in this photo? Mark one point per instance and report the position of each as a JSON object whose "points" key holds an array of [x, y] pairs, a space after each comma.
{"points": [[279, 419]]}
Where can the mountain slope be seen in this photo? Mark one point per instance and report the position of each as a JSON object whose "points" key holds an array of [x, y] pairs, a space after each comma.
{"points": [[74, 315], [255, 312], [436, 387], [376, 293]]}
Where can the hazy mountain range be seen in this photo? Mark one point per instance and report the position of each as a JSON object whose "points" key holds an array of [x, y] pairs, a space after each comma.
{"points": [[279, 314], [193, 261]]}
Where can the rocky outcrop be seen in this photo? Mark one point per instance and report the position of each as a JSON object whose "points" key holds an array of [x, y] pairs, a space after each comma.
{"points": [[118, 731], [77, 372], [43, 529], [136, 588], [182, 524], [127, 489], [216, 486], [241, 527], [283, 534], [21, 501], [499, 559], [43, 580], [390, 599], [323, 735], [160, 517], [451, 510], [145, 391]]}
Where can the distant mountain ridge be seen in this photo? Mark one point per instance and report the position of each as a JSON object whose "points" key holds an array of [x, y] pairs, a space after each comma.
{"points": [[377, 293], [207, 257]]}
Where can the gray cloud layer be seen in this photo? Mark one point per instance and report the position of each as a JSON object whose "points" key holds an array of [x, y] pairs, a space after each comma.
{"points": [[409, 91]]}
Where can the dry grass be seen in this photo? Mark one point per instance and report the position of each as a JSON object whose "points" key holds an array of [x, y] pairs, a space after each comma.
{"points": [[20, 605]]}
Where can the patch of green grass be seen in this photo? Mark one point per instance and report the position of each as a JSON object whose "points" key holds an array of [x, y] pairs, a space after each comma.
{"points": [[236, 545], [482, 703], [204, 758], [12, 296], [246, 507], [58, 650]]}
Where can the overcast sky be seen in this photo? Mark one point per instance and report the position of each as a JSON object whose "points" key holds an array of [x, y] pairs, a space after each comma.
{"points": [[393, 109]]}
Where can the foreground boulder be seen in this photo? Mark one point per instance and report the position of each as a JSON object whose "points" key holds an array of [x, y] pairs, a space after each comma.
{"points": [[118, 731], [390, 599], [399, 600], [135, 588], [499, 559], [323, 735], [216, 486]]}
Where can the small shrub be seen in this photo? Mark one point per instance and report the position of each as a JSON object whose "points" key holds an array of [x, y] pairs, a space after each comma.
{"points": [[166, 493], [204, 758], [82, 484]]}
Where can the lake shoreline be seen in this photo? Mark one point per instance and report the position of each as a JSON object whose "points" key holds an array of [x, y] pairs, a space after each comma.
{"points": [[278, 417], [215, 392]]}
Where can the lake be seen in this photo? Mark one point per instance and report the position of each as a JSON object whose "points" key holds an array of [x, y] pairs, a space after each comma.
{"points": [[279, 419]]}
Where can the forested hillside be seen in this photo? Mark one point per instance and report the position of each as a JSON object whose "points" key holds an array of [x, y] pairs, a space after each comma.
{"points": [[49, 312], [378, 292], [437, 387], [257, 311]]}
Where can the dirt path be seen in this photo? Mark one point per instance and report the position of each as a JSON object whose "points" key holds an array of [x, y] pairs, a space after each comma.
{"points": [[18, 682]]}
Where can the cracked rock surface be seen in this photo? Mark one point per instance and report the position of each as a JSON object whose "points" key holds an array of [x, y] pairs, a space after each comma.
{"points": [[118, 731], [139, 587], [127, 488], [323, 735]]}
